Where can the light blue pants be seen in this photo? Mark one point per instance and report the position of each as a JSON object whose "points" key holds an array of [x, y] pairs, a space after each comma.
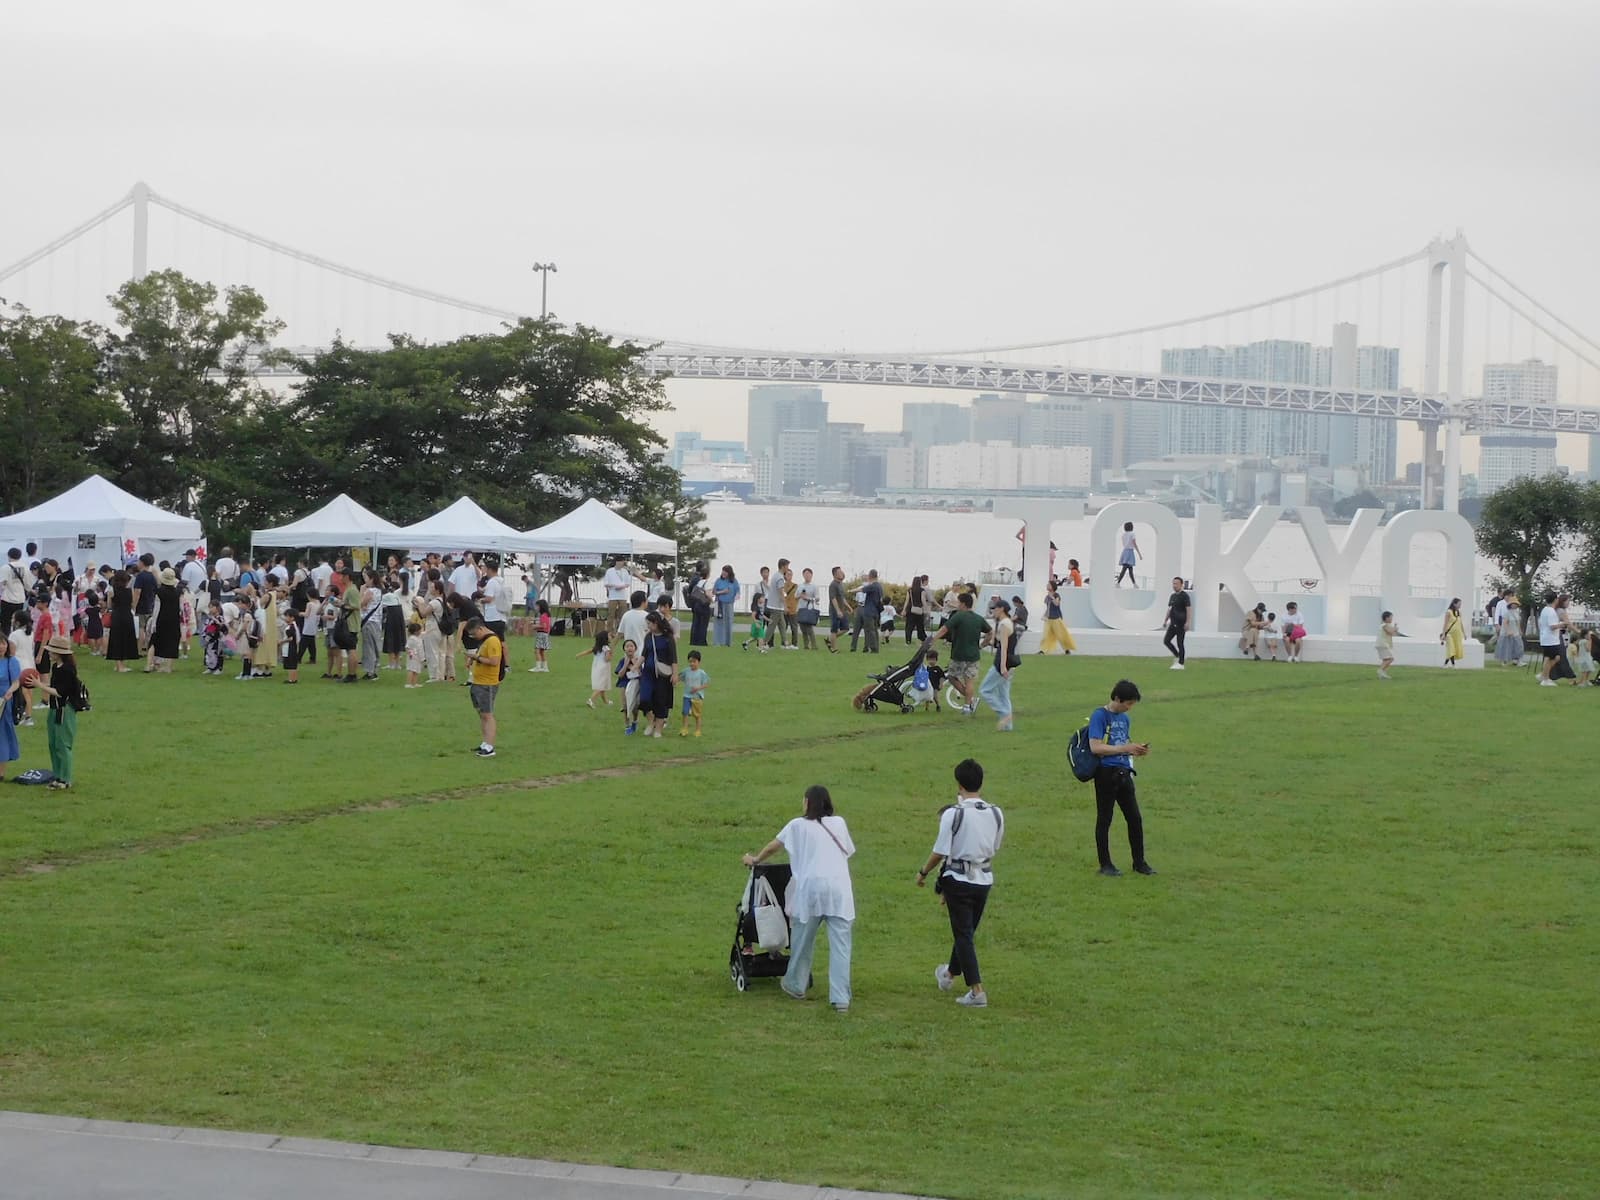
{"points": [[722, 626], [802, 948], [996, 692]]}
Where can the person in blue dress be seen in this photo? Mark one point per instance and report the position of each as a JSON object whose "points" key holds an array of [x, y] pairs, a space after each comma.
{"points": [[725, 595]]}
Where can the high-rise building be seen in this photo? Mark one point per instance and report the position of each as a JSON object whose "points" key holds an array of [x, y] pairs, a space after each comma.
{"points": [[689, 446], [1057, 421], [998, 418], [838, 450], [1507, 454], [1594, 457], [774, 407], [799, 458], [933, 424], [1315, 439]]}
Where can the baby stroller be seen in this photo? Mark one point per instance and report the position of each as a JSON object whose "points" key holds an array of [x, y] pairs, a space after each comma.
{"points": [[761, 932], [893, 687]]}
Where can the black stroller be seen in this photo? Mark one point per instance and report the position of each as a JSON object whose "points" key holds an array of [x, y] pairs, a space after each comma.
{"points": [[750, 957], [893, 687]]}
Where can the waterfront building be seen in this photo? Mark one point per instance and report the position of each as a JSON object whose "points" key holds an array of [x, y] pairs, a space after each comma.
{"points": [[1507, 454]]}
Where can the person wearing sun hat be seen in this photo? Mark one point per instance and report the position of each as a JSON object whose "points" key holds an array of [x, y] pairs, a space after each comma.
{"points": [[166, 638], [61, 685]]}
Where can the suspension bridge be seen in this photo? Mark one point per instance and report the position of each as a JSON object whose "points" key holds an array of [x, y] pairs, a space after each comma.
{"points": [[1448, 315]]}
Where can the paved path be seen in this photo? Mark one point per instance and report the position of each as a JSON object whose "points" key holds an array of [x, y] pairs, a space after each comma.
{"points": [[69, 1158]]}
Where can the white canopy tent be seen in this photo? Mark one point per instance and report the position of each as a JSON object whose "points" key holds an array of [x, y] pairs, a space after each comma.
{"points": [[97, 520], [339, 522], [592, 528], [464, 526]]}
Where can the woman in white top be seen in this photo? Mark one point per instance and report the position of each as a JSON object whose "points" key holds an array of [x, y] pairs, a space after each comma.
{"points": [[819, 848], [1130, 554]]}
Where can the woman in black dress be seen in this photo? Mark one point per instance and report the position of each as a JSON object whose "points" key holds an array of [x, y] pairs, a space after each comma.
{"points": [[122, 647], [169, 624]]}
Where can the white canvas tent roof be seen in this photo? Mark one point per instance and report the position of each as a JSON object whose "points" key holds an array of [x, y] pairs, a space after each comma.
{"points": [[463, 526], [99, 507], [339, 522], [592, 528]]}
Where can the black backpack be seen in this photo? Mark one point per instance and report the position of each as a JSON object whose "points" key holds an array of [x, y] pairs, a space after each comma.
{"points": [[447, 620], [1084, 761]]}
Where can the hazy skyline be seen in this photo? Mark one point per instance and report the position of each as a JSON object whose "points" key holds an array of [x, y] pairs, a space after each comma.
{"points": [[833, 175]]}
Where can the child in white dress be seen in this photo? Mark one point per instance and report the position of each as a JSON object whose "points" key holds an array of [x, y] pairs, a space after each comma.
{"points": [[415, 653], [599, 668]]}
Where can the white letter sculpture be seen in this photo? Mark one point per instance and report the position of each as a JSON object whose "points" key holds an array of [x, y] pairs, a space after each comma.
{"points": [[1105, 545], [1338, 562], [1459, 563], [1215, 566]]}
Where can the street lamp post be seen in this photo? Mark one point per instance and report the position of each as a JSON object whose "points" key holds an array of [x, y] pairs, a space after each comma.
{"points": [[544, 270]]}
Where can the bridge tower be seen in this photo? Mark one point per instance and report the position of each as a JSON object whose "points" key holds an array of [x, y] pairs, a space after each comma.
{"points": [[139, 198], [1445, 256]]}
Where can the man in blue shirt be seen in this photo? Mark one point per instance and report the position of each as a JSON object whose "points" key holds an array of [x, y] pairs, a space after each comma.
{"points": [[1110, 738]]}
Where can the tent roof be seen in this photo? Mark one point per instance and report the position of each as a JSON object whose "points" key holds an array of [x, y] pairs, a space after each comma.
{"points": [[463, 526], [100, 507], [339, 522], [592, 528]]}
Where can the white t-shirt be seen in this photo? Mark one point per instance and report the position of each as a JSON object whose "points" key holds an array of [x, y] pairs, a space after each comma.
{"points": [[227, 569], [278, 573], [631, 626], [320, 574], [821, 886], [1290, 620], [982, 828], [194, 576], [618, 583], [15, 580], [1549, 635], [492, 588], [1127, 539], [22, 650], [464, 580], [1500, 611]]}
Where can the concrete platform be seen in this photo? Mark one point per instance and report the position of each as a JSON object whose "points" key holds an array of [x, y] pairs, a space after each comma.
{"points": [[1408, 652], [55, 1158]]}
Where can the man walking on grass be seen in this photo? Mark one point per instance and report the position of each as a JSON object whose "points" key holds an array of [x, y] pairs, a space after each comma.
{"points": [[1177, 622], [838, 610], [964, 630], [484, 664], [970, 833]]}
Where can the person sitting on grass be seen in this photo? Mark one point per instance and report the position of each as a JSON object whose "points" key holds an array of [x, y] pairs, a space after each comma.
{"points": [[694, 694]]}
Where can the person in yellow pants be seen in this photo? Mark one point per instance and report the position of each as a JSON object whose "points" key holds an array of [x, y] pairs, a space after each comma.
{"points": [[1056, 632]]}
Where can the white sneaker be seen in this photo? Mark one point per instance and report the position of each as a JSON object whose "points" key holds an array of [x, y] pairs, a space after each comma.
{"points": [[1383, 675], [973, 1000], [941, 976], [1547, 683], [1176, 667]]}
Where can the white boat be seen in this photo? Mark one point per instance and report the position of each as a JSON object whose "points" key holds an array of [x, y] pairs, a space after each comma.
{"points": [[723, 496]]}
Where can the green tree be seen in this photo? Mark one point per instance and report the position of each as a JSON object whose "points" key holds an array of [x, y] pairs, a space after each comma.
{"points": [[1346, 508], [1583, 578], [55, 412], [180, 367], [528, 422], [1526, 523]]}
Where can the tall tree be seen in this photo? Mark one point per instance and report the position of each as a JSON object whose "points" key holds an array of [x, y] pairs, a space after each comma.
{"points": [[1583, 577], [56, 416], [1526, 523], [528, 422], [180, 366]]}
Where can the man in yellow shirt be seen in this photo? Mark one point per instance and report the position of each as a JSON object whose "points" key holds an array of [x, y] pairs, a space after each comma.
{"points": [[484, 661]]}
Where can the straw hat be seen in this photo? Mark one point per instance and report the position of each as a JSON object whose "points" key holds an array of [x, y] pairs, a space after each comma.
{"points": [[169, 578], [59, 645]]}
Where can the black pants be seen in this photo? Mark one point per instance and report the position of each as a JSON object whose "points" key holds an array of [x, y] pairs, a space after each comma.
{"points": [[698, 625], [7, 613], [1125, 571], [1174, 640], [916, 627], [1113, 788], [964, 902], [498, 628]]}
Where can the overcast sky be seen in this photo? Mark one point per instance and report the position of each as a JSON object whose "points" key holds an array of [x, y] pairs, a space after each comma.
{"points": [[831, 175]]}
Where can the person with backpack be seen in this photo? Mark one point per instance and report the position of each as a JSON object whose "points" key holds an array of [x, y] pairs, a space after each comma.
{"points": [[486, 665], [68, 697], [1110, 741], [970, 833]]}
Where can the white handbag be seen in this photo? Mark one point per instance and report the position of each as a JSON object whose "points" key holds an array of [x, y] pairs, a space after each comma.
{"points": [[772, 927]]}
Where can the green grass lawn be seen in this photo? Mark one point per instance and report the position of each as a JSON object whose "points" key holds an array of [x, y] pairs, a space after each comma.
{"points": [[1368, 965]]}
